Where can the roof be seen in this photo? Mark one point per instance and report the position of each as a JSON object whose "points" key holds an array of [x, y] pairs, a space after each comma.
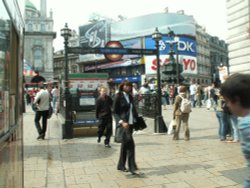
{"points": [[30, 5]]}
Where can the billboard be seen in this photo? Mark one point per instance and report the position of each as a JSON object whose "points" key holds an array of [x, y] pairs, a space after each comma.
{"points": [[145, 25], [94, 35], [186, 53]]}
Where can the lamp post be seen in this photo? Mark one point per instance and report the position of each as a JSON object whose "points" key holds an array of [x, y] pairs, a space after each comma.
{"points": [[160, 126], [67, 127]]}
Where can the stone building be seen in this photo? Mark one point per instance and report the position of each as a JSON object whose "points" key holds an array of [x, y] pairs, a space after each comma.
{"points": [[238, 21], [38, 40]]}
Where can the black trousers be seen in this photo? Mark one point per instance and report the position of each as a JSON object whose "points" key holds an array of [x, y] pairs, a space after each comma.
{"points": [[127, 151], [105, 123], [44, 116]]}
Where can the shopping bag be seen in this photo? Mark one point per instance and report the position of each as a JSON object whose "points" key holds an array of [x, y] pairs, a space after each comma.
{"points": [[208, 104], [171, 126]]}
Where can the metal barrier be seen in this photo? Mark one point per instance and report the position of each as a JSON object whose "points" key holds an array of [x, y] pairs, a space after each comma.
{"points": [[147, 105]]}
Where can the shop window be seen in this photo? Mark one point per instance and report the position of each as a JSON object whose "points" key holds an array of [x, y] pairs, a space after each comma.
{"points": [[4, 64]]}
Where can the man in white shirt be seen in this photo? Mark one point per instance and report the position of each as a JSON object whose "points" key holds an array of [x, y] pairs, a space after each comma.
{"points": [[193, 90], [55, 96], [42, 100]]}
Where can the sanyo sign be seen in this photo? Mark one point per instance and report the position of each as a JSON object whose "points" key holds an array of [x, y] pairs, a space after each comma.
{"points": [[186, 54]]}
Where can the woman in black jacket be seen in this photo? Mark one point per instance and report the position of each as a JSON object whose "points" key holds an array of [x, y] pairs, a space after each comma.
{"points": [[125, 114]]}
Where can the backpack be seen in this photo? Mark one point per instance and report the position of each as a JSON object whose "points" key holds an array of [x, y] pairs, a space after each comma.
{"points": [[185, 105]]}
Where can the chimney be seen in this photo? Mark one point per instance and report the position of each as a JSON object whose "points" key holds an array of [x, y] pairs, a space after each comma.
{"points": [[43, 8]]}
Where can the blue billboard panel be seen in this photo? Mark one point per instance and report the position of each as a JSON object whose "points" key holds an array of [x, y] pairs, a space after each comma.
{"points": [[186, 45]]}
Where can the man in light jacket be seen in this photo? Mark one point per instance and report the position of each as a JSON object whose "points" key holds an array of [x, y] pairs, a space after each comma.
{"points": [[42, 100]]}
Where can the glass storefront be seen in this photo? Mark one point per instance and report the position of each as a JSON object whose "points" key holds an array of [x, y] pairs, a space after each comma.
{"points": [[11, 106]]}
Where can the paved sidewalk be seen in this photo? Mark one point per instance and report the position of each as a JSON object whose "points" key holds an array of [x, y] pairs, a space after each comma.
{"points": [[204, 161]]}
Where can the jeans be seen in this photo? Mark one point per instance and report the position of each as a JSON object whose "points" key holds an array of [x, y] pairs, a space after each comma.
{"points": [[54, 100], [193, 100], [221, 116], [234, 123]]}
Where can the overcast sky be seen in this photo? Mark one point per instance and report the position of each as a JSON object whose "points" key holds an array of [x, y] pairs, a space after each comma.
{"points": [[209, 13]]}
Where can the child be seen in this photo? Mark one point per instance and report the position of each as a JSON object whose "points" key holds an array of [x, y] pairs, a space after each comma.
{"points": [[236, 92]]}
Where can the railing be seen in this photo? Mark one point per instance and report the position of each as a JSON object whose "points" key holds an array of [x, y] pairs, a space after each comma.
{"points": [[147, 105]]}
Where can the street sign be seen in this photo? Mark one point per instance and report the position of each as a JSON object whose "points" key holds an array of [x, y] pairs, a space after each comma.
{"points": [[113, 56], [79, 50]]}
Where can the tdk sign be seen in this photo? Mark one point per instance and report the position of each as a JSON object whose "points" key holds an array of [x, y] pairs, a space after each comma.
{"points": [[186, 45]]}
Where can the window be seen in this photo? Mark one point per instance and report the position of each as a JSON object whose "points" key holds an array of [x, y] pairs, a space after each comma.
{"points": [[38, 58]]}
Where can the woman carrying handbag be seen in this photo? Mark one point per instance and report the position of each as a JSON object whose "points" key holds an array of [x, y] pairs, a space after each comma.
{"points": [[126, 115]]}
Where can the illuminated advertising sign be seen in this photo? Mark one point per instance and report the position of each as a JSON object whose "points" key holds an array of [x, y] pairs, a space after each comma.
{"points": [[94, 35], [132, 43], [186, 53]]}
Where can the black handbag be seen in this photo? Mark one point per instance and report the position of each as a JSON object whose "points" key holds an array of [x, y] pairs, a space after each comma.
{"points": [[140, 123], [122, 134], [119, 132]]}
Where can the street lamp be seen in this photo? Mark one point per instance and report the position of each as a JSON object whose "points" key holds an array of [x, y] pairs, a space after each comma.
{"points": [[67, 127], [160, 126]]}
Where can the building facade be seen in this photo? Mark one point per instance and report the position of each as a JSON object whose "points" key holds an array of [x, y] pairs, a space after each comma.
{"points": [[203, 57], [238, 21], [39, 36], [192, 50], [218, 59]]}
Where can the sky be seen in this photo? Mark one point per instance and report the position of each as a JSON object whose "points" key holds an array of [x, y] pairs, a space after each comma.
{"points": [[210, 14]]}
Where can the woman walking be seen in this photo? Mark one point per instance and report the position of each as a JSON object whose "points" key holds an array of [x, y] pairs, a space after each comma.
{"points": [[125, 114]]}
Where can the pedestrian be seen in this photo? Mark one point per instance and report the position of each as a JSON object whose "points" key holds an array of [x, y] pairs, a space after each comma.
{"points": [[181, 118], [222, 119], [199, 95], [37, 78], [42, 100], [164, 97], [235, 91], [55, 97], [104, 115], [125, 114], [193, 91]]}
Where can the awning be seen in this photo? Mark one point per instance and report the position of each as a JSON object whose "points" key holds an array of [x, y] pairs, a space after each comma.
{"points": [[122, 63]]}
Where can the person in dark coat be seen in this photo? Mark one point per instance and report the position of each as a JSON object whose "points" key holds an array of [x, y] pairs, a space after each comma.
{"points": [[126, 115], [37, 78], [104, 115]]}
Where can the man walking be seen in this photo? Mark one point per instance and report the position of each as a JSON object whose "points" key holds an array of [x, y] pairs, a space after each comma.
{"points": [[104, 115], [42, 100]]}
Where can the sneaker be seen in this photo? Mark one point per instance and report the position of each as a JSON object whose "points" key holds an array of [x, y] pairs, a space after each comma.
{"points": [[107, 146], [99, 140], [232, 141], [41, 136]]}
